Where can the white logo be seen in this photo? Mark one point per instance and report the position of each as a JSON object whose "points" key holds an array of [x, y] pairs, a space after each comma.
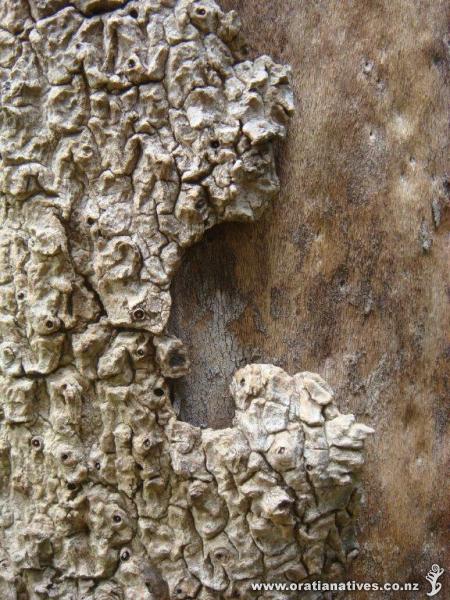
{"points": [[433, 575]]}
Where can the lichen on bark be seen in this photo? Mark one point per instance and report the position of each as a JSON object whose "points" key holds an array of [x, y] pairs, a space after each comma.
{"points": [[128, 130]]}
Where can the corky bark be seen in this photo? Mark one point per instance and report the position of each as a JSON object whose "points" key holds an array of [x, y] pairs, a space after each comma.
{"points": [[129, 129], [347, 275]]}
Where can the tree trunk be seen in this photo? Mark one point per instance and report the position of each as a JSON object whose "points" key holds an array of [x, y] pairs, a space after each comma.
{"points": [[132, 129], [347, 274]]}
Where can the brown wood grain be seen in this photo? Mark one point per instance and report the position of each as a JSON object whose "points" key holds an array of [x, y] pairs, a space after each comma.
{"points": [[347, 274]]}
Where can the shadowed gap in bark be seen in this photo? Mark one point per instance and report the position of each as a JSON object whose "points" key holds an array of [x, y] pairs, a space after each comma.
{"points": [[207, 307]]}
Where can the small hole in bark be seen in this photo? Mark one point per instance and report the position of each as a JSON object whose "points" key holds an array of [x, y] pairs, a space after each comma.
{"points": [[64, 456], [90, 221], [20, 295], [125, 556], [176, 360], [49, 324], [131, 63], [133, 13], [245, 50], [368, 66], [158, 392], [242, 382], [71, 486], [201, 12], [117, 519], [36, 443], [281, 450], [215, 144], [141, 352], [97, 466], [309, 467], [200, 204], [138, 314]]}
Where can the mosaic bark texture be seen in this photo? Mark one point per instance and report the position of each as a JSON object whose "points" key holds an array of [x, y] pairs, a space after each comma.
{"points": [[128, 130]]}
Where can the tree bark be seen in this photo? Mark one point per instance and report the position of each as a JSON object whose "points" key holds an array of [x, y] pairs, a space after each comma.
{"points": [[129, 129], [347, 274]]}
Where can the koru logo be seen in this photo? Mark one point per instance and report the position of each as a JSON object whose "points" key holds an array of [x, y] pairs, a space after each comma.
{"points": [[433, 575]]}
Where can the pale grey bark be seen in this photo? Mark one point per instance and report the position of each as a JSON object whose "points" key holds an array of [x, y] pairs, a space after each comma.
{"points": [[129, 129]]}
